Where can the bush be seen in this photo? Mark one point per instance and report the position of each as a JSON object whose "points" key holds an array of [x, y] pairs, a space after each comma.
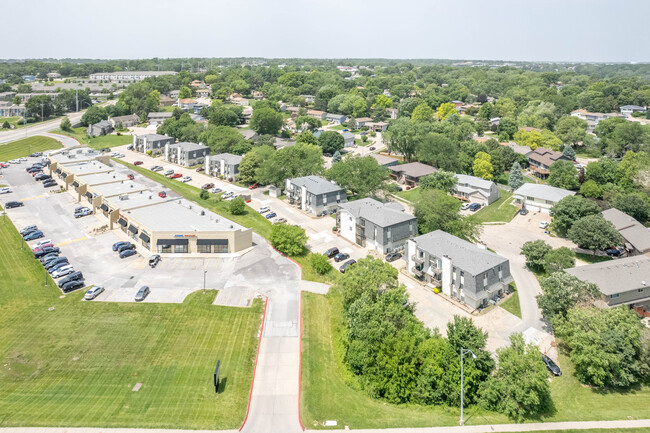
{"points": [[288, 239], [320, 263], [206, 195], [237, 206], [66, 125]]}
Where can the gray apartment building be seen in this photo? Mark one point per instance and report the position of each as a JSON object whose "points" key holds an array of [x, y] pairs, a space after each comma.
{"points": [[314, 194], [186, 154], [154, 143], [102, 127], [460, 269], [383, 227], [224, 165]]}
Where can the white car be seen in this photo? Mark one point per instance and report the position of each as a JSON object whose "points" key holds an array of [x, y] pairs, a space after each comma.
{"points": [[465, 206], [227, 194], [115, 153], [14, 161], [93, 293], [43, 242], [62, 272], [186, 179], [22, 159], [263, 209], [119, 155], [5, 190], [216, 190], [232, 197], [543, 224]]}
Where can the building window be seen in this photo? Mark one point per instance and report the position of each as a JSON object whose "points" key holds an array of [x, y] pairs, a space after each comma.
{"points": [[164, 248], [614, 296], [639, 290], [204, 248], [221, 248], [180, 248], [530, 198], [485, 279]]}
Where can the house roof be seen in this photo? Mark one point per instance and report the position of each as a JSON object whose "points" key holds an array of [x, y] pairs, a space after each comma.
{"points": [[228, 157], [347, 135], [621, 220], [154, 137], [474, 181], [638, 236], [413, 169], [247, 133], [543, 192], [616, 276], [364, 119], [316, 185], [632, 107], [464, 255], [187, 146], [187, 101], [103, 124], [166, 114], [380, 214], [383, 159], [334, 115], [545, 156], [320, 113], [522, 150], [118, 119]]}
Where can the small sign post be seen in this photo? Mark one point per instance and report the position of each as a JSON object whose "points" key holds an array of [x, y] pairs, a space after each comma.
{"points": [[216, 377]]}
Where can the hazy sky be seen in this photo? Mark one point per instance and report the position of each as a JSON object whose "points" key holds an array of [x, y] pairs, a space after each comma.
{"points": [[547, 30]]}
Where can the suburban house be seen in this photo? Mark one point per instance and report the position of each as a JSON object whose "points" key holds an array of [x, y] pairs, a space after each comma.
{"points": [[383, 227], [386, 161], [538, 197], [283, 142], [293, 110], [410, 173], [102, 127], [203, 93], [7, 109], [460, 269], [154, 143], [186, 154], [157, 118], [592, 118], [392, 113], [476, 190], [521, 150], [247, 114], [224, 165], [636, 235], [348, 138], [627, 110], [377, 126], [362, 121], [541, 159], [126, 121], [198, 84], [336, 119], [314, 194], [621, 281], [7, 96], [317, 114], [173, 94], [257, 95], [310, 99], [495, 121], [127, 76], [186, 104], [166, 101], [248, 134], [239, 101]]}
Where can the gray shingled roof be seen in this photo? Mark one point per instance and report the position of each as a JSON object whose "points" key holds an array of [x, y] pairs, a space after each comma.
{"points": [[316, 185], [544, 192], [621, 220], [413, 169], [381, 214], [187, 146], [616, 276], [347, 135], [228, 157], [464, 255], [154, 137], [474, 181]]}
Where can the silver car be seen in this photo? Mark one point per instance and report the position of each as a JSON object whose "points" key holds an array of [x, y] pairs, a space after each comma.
{"points": [[93, 293]]}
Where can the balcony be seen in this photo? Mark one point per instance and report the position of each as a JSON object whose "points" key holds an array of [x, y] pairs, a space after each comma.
{"points": [[418, 273], [418, 260], [434, 267], [540, 170]]}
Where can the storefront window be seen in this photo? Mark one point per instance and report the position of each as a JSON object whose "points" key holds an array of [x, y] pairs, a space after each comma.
{"points": [[221, 248], [180, 248], [164, 248], [204, 248]]}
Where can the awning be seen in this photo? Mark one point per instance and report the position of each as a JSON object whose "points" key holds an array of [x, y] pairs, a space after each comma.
{"points": [[64, 175], [104, 208], [58, 170], [89, 195], [145, 237], [122, 222], [180, 241], [212, 241], [75, 184], [133, 229]]}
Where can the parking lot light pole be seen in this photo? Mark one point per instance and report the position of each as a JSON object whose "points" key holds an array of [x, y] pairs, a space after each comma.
{"points": [[463, 352], [204, 272]]}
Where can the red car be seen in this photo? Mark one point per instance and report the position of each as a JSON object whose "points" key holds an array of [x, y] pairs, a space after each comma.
{"points": [[40, 248], [138, 163], [208, 186], [200, 169], [162, 194], [130, 176], [4, 165], [176, 175], [253, 186]]}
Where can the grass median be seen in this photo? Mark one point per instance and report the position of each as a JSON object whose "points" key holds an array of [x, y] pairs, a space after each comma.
{"points": [[27, 146], [100, 142], [70, 363]]}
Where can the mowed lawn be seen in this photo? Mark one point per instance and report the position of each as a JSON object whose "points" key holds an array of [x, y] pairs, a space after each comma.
{"points": [[330, 391], [26, 146], [499, 211], [70, 363], [110, 140]]}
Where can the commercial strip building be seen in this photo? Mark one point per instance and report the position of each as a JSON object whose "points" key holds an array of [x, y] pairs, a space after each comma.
{"points": [[460, 269], [636, 235], [314, 194], [383, 227], [538, 197]]}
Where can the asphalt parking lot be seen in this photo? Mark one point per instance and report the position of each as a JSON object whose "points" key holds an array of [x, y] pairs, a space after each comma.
{"points": [[90, 252]]}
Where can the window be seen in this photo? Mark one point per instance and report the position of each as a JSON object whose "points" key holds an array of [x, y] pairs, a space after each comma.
{"points": [[221, 248], [180, 248], [204, 248], [614, 296], [485, 279], [164, 248], [639, 290]]}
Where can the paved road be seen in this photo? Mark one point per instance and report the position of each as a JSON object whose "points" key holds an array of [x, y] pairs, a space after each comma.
{"points": [[38, 129]]}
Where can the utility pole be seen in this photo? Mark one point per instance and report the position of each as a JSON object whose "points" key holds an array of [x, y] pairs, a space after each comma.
{"points": [[204, 272], [76, 98], [42, 111]]}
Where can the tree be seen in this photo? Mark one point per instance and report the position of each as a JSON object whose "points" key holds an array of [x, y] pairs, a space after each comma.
{"points": [[336, 157], [519, 388], [362, 176], [382, 101], [6, 125], [93, 115], [307, 122], [435, 210], [482, 166], [66, 125], [516, 177], [634, 204], [563, 174], [237, 206], [40, 106], [224, 139], [320, 263], [401, 138], [569, 152], [571, 130], [266, 121], [289, 162], [288, 239], [558, 260], [570, 209], [561, 292], [204, 195], [184, 93], [251, 162], [591, 189], [535, 252], [507, 126], [307, 137], [422, 113], [594, 232], [445, 110], [331, 141], [439, 151], [441, 180], [367, 276]]}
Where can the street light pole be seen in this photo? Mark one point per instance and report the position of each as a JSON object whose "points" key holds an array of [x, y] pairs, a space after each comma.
{"points": [[204, 272], [462, 389]]}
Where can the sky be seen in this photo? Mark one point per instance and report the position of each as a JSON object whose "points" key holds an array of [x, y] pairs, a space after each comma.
{"points": [[526, 30]]}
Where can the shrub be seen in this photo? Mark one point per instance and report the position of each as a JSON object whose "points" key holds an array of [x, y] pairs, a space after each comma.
{"points": [[206, 195], [288, 239], [237, 206], [320, 263]]}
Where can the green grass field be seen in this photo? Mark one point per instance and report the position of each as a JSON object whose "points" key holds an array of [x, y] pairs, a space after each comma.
{"points": [[590, 258], [499, 211], [512, 304], [411, 195], [26, 146], [69, 363], [100, 142], [594, 430]]}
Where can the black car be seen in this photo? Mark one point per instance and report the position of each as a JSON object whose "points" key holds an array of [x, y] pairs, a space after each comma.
{"points": [[126, 246], [345, 265], [72, 285], [391, 257], [552, 366], [72, 277], [47, 258], [49, 184], [615, 251], [523, 211], [116, 245], [45, 251], [13, 204], [474, 207], [33, 169], [56, 262], [36, 154], [154, 260], [106, 149], [127, 253], [42, 176], [341, 256], [331, 252], [57, 266]]}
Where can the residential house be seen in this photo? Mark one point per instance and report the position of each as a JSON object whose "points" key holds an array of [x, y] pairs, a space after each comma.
{"points": [[197, 84], [257, 95], [187, 104], [336, 119], [627, 110], [102, 127], [293, 110], [173, 94], [7, 109], [154, 143], [521, 150], [392, 112], [186, 154], [203, 93], [28, 78], [53, 75], [541, 159], [538, 197], [348, 138], [317, 114], [461, 270], [314, 194], [636, 235], [157, 118], [411, 173], [592, 118], [246, 114], [125, 121], [361, 122], [310, 99], [248, 134], [377, 126], [383, 227], [166, 101], [7, 96], [239, 101], [621, 281], [386, 161], [223, 165], [476, 190], [495, 121], [283, 142]]}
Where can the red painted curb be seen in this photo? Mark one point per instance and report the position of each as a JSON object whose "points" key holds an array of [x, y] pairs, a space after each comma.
{"points": [[257, 357]]}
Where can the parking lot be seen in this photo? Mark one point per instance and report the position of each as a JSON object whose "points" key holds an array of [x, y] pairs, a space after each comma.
{"points": [[86, 242]]}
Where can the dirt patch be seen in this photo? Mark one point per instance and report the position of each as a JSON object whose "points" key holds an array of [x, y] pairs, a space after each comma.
{"points": [[19, 367]]}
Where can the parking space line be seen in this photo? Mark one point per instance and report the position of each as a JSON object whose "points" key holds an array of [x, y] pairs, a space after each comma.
{"points": [[228, 298], [32, 198], [72, 241], [196, 263], [240, 297]]}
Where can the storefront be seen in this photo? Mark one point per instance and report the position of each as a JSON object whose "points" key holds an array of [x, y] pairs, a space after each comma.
{"points": [[176, 246]]}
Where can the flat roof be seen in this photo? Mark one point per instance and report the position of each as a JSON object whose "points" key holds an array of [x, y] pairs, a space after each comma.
{"points": [[99, 178], [616, 276], [181, 216], [74, 155], [116, 188], [136, 199], [88, 167]]}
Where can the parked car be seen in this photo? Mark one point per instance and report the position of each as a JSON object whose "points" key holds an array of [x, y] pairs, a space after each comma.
{"points": [[33, 169], [138, 163], [130, 176], [119, 155], [14, 161], [43, 242], [93, 293], [36, 154], [345, 265], [4, 165], [142, 293], [72, 285], [49, 183], [464, 206], [341, 256], [186, 179], [154, 260], [83, 213], [105, 149], [208, 186], [614, 251], [543, 224], [474, 207], [125, 246], [55, 265], [200, 169], [156, 168], [42, 176], [34, 235], [327, 155], [253, 186], [552, 366], [391, 257], [127, 253], [169, 173], [216, 190], [372, 147], [232, 197], [270, 215], [129, 147], [523, 211], [72, 277], [227, 194], [49, 259], [176, 175], [162, 194], [13, 204], [116, 245], [279, 221], [263, 209], [43, 252], [62, 272], [25, 230], [331, 252]]}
